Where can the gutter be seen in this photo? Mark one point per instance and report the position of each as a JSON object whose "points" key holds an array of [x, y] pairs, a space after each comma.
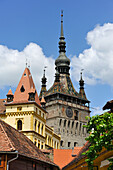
{"points": [[11, 159]]}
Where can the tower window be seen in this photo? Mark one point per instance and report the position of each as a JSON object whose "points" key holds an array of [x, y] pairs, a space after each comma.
{"points": [[60, 122], [68, 123], [69, 144], [22, 89], [72, 124], [35, 124], [61, 143], [75, 144], [76, 115], [64, 123], [19, 125], [19, 109], [77, 125]]}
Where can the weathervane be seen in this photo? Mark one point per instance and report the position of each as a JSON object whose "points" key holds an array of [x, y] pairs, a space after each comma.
{"points": [[26, 63], [81, 71], [44, 69]]}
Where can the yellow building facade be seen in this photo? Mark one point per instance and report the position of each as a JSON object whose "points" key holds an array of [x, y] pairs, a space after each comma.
{"points": [[25, 113]]}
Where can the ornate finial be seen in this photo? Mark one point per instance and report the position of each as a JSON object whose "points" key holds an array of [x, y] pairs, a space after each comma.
{"points": [[62, 34], [61, 15], [81, 73], [44, 71]]}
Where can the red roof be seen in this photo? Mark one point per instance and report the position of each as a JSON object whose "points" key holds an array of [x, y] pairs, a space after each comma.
{"points": [[12, 140], [10, 92], [79, 155], [63, 156], [25, 86]]}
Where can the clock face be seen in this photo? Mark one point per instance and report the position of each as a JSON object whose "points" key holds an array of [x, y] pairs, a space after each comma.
{"points": [[69, 112]]}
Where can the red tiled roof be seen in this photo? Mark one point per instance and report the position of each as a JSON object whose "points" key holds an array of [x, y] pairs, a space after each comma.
{"points": [[10, 92], [11, 140], [2, 105], [79, 155], [63, 156], [28, 85]]}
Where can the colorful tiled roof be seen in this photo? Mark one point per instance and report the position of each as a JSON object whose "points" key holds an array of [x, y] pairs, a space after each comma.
{"points": [[12, 140], [2, 106], [25, 86], [65, 87], [63, 156], [82, 94]]}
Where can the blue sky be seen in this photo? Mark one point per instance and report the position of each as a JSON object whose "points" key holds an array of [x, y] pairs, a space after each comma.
{"points": [[31, 29]]}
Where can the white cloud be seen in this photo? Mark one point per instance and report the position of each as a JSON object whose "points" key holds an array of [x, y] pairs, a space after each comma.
{"points": [[97, 61], [12, 65], [96, 111]]}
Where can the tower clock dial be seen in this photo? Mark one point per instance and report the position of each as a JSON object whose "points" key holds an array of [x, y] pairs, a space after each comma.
{"points": [[69, 112]]}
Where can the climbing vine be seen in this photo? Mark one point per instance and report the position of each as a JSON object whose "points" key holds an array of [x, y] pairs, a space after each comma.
{"points": [[100, 128]]}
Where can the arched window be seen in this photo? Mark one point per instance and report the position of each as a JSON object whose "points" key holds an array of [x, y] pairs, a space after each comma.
{"points": [[76, 125], [60, 122], [39, 127], [68, 123], [35, 125], [42, 130], [19, 125], [64, 123], [72, 124]]}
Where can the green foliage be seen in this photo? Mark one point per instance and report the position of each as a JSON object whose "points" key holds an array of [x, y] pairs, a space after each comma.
{"points": [[100, 129]]}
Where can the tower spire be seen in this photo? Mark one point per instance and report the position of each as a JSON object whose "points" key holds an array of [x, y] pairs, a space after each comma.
{"points": [[62, 43], [62, 62], [44, 79], [81, 83], [43, 88]]}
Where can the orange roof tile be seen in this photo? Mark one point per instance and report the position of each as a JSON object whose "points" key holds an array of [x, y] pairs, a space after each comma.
{"points": [[79, 155], [10, 92], [63, 156], [43, 100], [27, 84]]}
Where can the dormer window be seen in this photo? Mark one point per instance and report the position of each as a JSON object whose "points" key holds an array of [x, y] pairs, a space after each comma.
{"points": [[22, 89]]}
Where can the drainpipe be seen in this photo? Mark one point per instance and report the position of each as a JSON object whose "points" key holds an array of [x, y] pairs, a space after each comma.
{"points": [[12, 160]]}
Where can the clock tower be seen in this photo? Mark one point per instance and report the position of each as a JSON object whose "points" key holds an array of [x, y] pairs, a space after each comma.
{"points": [[66, 107]]}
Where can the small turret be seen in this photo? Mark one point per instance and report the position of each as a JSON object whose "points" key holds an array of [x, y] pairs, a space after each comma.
{"points": [[43, 88], [81, 91], [43, 102], [10, 96]]}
